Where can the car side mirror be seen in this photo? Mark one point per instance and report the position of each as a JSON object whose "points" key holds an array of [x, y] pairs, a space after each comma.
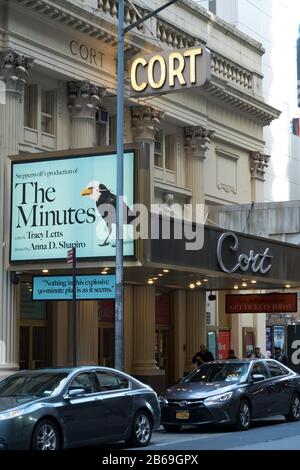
{"points": [[257, 377], [75, 392]]}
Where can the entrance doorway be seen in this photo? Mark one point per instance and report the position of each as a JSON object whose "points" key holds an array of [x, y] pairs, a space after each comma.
{"points": [[33, 345], [35, 340], [106, 333], [163, 355]]}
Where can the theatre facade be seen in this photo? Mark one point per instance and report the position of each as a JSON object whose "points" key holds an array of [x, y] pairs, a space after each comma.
{"points": [[195, 146]]}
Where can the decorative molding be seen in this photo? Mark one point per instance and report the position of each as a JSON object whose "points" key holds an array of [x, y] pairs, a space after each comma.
{"points": [[197, 141], [248, 105], [14, 70], [224, 153], [145, 121], [231, 83], [84, 98], [227, 188], [258, 164]]}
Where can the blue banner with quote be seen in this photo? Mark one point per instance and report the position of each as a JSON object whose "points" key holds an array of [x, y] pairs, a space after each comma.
{"points": [[88, 287]]}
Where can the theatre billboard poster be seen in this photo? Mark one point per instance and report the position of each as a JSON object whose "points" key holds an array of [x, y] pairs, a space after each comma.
{"points": [[55, 205]]}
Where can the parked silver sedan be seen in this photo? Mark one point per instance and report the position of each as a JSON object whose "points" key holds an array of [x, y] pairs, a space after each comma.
{"points": [[234, 392], [51, 409]]}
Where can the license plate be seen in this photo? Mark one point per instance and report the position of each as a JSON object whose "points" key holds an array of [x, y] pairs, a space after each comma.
{"points": [[182, 414]]}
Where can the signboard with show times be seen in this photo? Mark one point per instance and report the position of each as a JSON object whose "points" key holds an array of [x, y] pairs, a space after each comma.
{"points": [[68, 202]]}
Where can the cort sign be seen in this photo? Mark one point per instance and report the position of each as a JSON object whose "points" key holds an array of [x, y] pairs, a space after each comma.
{"points": [[170, 71]]}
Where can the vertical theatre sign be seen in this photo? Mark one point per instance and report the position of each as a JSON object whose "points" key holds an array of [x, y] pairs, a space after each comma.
{"points": [[170, 71]]}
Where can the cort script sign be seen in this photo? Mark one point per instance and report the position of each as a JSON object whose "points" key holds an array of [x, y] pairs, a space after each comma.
{"points": [[170, 71], [228, 246]]}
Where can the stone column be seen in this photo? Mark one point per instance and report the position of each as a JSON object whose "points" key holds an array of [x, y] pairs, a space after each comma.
{"points": [[144, 364], [13, 73], [61, 346], [179, 303], [145, 122], [195, 325], [87, 332], [258, 164], [197, 143], [128, 328], [84, 101]]}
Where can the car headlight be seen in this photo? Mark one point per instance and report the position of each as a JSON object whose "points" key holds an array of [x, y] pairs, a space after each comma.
{"points": [[219, 398], [163, 400], [11, 414]]}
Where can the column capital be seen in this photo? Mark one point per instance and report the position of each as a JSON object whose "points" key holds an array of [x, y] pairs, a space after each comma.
{"points": [[14, 70], [145, 121], [197, 141], [84, 98], [258, 164]]}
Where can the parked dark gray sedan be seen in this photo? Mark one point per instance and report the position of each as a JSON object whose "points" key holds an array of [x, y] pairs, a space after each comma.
{"points": [[234, 392], [52, 409]]}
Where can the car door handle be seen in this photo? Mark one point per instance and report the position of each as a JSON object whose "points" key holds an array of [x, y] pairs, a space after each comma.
{"points": [[98, 399]]}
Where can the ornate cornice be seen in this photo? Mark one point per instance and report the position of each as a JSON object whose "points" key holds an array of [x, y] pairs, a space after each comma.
{"points": [[95, 24], [197, 141], [258, 164], [84, 98], [231, 83], [246, 104]]}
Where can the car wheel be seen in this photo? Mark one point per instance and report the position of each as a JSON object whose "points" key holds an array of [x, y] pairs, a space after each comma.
{"points": [[45, 436], [141, 430], [172, 427], [244, 416], [294, 413]]}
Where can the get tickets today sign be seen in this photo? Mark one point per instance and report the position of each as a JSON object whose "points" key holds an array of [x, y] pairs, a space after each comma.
{"points": [[55, 205], [170, 71]]}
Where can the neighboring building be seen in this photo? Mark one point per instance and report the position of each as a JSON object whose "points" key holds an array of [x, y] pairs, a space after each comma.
{"points": [[58, 62], [275, 24]]}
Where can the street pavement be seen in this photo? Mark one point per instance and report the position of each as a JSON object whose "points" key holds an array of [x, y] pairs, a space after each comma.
{"points": [[268, 434]]}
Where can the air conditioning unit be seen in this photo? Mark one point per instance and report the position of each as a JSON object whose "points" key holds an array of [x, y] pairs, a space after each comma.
{"points": [[157, 147], [296, 126], [102, 116]]}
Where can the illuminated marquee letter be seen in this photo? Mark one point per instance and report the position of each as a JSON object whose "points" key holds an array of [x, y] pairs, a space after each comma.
{"points": [[192, 53], [135, 64], [163, 71], [176, 72]]}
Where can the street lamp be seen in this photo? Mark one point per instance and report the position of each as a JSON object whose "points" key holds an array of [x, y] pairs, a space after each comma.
{"points": [[120, 170]]}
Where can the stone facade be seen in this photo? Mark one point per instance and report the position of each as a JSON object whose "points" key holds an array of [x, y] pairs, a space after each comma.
{"points": [[199, 143]]}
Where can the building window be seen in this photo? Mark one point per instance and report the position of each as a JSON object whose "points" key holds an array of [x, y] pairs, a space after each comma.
{"points": [[212, 7], [30, 106], [164, 150], [40, 109], [103, 124], [158, 149], [47, 111]]}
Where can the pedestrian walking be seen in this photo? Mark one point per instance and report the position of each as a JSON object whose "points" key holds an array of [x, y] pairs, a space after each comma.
{"points": [[204, 355]]}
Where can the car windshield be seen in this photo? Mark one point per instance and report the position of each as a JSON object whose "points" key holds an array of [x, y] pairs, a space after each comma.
{"points": [[38, 385], [227, 372]]}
